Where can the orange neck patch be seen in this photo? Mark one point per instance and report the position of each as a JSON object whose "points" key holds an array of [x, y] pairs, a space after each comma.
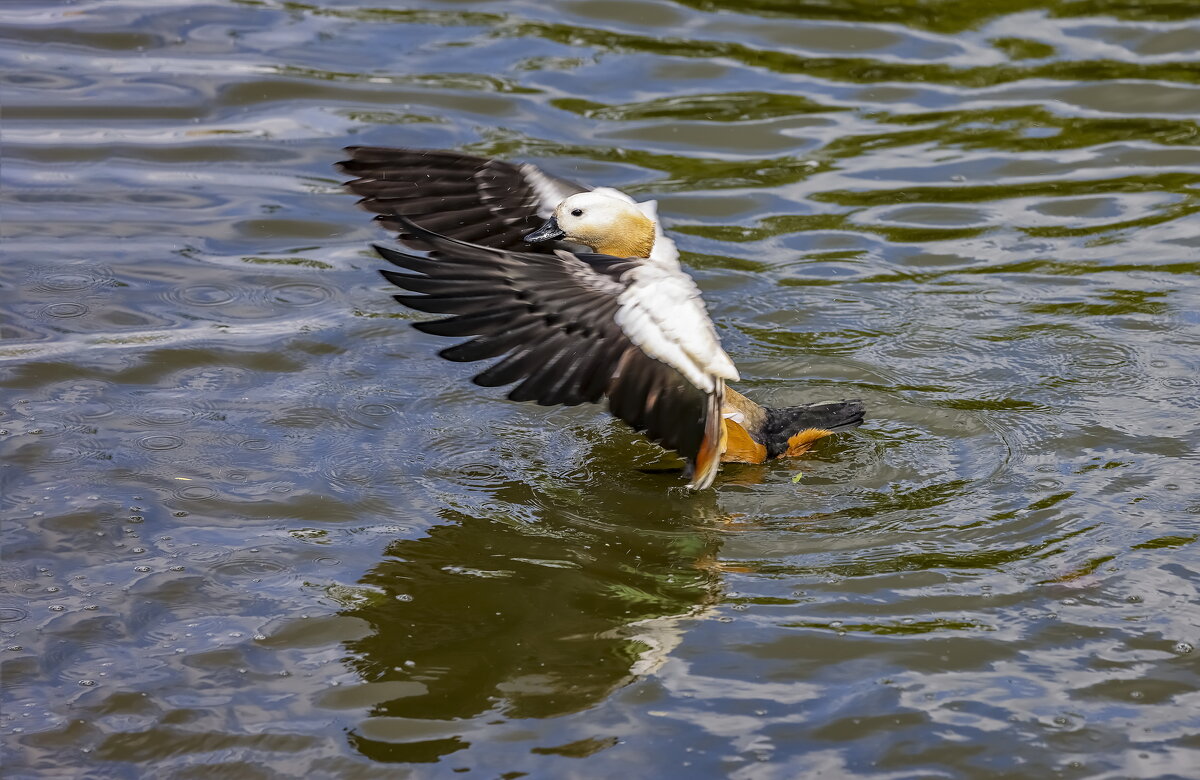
{"points": [[741, 448], [633, 237], [628, 245]]}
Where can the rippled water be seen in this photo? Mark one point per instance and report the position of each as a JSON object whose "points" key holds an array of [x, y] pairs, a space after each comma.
{"points": [[254, 528]]}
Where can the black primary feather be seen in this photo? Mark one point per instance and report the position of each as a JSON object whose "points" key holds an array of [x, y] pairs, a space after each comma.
{"points": [[489, 202], [548, 321]]}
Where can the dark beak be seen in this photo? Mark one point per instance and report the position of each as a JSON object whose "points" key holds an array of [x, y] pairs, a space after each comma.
{"points": [[547, 232]]}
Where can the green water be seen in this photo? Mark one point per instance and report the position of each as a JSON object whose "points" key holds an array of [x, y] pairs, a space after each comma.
{"points": [[254, 528]]}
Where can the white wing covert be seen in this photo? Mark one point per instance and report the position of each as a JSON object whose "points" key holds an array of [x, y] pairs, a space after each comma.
{"points": [[661, 311]]}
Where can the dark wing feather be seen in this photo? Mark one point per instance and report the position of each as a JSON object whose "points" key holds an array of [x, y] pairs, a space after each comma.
{"points": [[549, 319], [488, 202]]}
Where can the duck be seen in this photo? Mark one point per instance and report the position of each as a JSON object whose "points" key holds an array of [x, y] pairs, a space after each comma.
{"points": [[579, 296]]}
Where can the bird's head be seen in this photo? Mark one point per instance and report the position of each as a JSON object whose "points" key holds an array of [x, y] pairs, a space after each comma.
{"points": [[608, 225]]}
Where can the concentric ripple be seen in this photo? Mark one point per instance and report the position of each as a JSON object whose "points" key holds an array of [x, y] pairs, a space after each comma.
{"points": [[160, 442]]}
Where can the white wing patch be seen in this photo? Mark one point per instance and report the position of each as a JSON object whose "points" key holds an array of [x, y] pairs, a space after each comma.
{"points": [[609, 192], [661, 312], [549, 192], [664, 251]]}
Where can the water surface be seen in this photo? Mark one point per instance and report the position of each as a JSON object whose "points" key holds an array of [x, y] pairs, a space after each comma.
{"points": [[254, 528]]}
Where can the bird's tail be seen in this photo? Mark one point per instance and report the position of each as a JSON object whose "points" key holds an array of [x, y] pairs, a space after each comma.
{"points": [[791, 431], [759, 433]]}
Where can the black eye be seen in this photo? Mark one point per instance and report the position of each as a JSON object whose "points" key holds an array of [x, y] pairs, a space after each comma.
{"points": [[576, 212]]}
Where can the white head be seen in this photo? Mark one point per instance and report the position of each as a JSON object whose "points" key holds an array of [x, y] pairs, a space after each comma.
{"points": [[608, 225]]}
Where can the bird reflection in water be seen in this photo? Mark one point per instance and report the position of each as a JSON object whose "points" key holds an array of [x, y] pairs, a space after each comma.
{"points": [[490, 618]]}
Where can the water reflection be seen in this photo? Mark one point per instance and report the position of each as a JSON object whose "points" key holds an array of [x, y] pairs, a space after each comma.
{"points": [[494, 618]]}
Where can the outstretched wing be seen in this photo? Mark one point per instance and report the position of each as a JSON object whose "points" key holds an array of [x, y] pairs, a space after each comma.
{"points": [[487, 202], [551, 321]]}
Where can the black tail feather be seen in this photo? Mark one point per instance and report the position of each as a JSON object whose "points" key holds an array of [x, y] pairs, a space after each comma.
{"points": [[782, 424]]}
